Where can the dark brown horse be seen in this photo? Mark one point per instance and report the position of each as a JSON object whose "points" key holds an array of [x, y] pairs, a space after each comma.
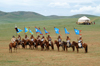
{"points": [[49, 44], [19, 43], [39, 42], [13, 45], [66, 46], [83, 45], [58, 45], [25, 43]]}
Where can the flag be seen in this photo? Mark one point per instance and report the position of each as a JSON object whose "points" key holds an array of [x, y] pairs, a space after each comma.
{"points": [[26, 30], [66, 32], [77, 32], [46, 32], [38, 31], [56, 30], [18, 30], [30, 31]]}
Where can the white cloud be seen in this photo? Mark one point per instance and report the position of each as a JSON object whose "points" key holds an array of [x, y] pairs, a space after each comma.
{"points": [[87, 9], [58, 4]]}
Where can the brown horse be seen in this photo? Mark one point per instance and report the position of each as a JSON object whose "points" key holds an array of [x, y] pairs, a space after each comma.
{"points": [[66, 45], [19, 43], [39, 42], [83, 45], [25, 43], [49, 44], [58, 45], [13, 45]]}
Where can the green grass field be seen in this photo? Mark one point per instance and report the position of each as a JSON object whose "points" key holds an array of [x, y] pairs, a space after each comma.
{"points": [[27, 57]]}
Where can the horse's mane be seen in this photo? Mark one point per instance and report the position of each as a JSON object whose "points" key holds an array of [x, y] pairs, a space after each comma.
{"points": [[74, 43], [56, 41]]}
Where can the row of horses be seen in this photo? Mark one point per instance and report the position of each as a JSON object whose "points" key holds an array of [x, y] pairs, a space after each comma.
{"points": [[46, 45]]}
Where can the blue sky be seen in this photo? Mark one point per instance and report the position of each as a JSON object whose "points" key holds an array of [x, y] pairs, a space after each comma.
{"points": [[53, 7]]}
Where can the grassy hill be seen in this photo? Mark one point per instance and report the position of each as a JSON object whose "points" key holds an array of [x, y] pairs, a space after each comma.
{"points": [[22, 16]]}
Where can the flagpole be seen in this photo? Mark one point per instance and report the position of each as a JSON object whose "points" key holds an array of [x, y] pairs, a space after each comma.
{"points": [[16, 31]]}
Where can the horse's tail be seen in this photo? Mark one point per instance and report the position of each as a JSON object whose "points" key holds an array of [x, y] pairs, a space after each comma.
{"points": [[86, 49]]}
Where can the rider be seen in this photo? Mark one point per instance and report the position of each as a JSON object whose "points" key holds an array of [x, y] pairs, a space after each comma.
{"points": [[26, 38], [80, 40], [32, 38], [59, 39], [49, 39], [38, 38], [19, 38], [68, 41], [13, 39], [42, 39]]}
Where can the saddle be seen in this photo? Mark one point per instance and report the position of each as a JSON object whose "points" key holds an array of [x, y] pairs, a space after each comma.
{"points": [[79, 45], [68, 44]]}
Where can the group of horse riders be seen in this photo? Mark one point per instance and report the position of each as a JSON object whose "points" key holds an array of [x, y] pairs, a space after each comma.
{"points": [[68, 40], [80, 40]]}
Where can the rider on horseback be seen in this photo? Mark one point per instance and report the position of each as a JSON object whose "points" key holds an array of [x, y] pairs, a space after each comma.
{"points": [[59, 40], [68, 41], [42, 39], [26, 38], [19, 38], [13, 39], [32, 38], [38, 38], [80, 41], [49, 39]]}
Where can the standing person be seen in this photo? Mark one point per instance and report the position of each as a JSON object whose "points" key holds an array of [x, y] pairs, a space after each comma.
{"points": [[80, 41], [59, 40], [13, 39], [94, 22], [68, 41]]}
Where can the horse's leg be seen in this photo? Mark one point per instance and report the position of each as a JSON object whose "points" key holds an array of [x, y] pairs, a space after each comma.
{"points": [[73, 48], [41, 47], [66, 48], [52, 46], [58, 47], [48, 46], [77, 49], [11, 49], [86, 49]]}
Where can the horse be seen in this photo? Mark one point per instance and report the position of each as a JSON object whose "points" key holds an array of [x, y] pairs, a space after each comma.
{"points": [[13, 45], [33, 43], [66, 45], [58, 45], [83, 45], [19, 43], [49, 44], [25, 43], [39, 42]]}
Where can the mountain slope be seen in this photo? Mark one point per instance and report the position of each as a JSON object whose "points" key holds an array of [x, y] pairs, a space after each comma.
{"points": [[22, 16]]}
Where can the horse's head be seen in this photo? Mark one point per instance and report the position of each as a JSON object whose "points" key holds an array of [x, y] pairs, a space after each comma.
{"points": [[23, 41], [16, 40], [35, 40], [74, 43], [55, 41]]}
